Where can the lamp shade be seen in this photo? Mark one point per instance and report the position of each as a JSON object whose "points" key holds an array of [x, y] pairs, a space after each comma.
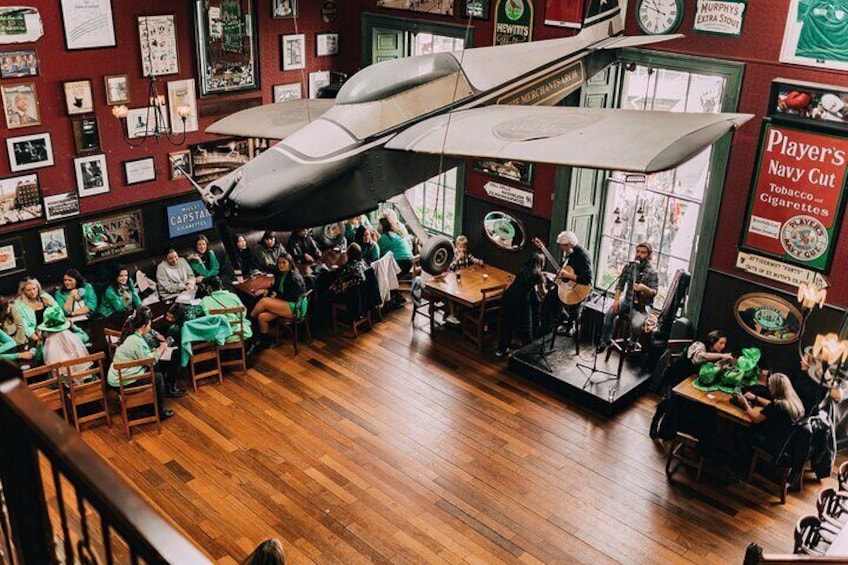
{"points": [[811, 295], [828, 348]]}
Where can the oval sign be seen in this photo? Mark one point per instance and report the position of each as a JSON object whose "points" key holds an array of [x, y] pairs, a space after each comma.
{"points": [[768, 317], [504, 231], [329, 11]]}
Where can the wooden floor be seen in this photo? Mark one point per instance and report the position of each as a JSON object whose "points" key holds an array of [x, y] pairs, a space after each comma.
{"points": [[399, 448]]}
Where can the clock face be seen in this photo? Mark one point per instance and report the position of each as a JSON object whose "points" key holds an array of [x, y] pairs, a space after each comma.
{"points": [[659, 16]]}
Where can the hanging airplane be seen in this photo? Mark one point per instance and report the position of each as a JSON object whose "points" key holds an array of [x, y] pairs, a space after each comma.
{"points": [[398, 123]]}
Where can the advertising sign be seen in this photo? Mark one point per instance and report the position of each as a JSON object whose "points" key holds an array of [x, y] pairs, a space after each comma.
{"points": [[510, 194], [722, 17], [795, 205], [513, 22], [188, 217], [768, 317]]}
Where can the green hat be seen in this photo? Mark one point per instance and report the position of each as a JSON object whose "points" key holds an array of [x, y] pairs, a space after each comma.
{"points": [[752, 353], [732, 378], [707, 374], [54, 320]]}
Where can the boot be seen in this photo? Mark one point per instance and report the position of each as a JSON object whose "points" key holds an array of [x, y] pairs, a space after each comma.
{"points": [[261, 342]]}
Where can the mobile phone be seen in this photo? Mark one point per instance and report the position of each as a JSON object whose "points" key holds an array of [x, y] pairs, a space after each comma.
{"points": [[169, 341]]}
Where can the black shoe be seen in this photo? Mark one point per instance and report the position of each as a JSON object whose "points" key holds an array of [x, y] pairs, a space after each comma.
{"points": [[259, 344], [175, 392], [166, 414], [570, 331], [601, 348]]}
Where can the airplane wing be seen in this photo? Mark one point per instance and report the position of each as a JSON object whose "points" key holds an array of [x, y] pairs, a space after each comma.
{"points": [[598, 138], [272, 121]]}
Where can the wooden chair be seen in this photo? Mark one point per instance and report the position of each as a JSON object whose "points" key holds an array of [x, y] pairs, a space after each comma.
{"points": [[358, 304], [405, 281], [842, 476], [812, 536], [292, 324], [44, 383], [137, 391], [832, 507], [477, 321], [86, 388], [767, 477], [236, 318], [624, 345], [112, 338], [684, 449], [204, 363]]}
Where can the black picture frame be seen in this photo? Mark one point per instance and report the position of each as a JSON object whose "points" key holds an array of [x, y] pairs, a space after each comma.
{"points": [[12, 252], [217, 74], [86, 135], [88, 26], [113, 236], [477, 9], [520, 172]]}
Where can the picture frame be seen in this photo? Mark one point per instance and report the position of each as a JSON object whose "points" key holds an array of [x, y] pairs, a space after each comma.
{"points": [[21, 196], [181, 93], [326, 44], [29, 152], [20, 105], [443, 7], [182, 158], [226, 62], [293, 51], [213, 159], [21, 63], [283, 9], [138, 171], [54, 245], [140, 121], [810, 40], [12, 259], [86, 135], [317, 81], [88, 25], [157, 36], [113, 236], [92, 175], [520, 172], [78, 97], [477, 9], [117, 89], [286, 92], [785, 320], [59, 206]]}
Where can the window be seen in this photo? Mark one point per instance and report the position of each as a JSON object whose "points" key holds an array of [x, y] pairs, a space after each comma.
{"points": [[425, 43], [435, 203], [662, 208]]}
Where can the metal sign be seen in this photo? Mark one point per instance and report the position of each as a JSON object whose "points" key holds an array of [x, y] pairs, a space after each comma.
{"points": [[777, 270], [509, 194], [513, 22]]}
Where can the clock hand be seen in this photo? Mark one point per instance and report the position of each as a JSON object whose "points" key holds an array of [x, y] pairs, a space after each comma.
{"points": [[657, 8]]}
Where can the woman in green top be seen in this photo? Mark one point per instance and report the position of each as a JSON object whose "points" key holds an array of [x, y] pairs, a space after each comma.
{"points": [[8, 347], [28, 311], [397, 244], [133, 347], [283, 301], [353, 224], [75, 296], [121, 295], [365, 239], [203, 261]]}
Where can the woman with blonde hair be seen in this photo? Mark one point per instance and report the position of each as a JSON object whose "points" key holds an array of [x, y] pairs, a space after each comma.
{"points": [[28, 311], [776, 415]]}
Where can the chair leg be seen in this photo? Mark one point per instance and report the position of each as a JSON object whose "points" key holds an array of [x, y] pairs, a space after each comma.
{"points": [[294, 336], [752, 467], [308, 331]]}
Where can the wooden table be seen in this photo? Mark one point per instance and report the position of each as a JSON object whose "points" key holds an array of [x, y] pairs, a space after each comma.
{"points": [[465, 293], [717, 400], [253, 286]]}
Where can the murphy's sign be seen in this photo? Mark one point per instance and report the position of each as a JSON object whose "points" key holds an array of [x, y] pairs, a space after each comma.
{"points": [[513, 22]]}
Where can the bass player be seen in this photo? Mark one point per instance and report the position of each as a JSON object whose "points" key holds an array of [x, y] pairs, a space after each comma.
{"points": [[576, 269]]}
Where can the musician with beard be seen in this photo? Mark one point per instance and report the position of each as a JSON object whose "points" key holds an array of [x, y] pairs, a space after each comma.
{"points": [[577, 269], [641, 281]]}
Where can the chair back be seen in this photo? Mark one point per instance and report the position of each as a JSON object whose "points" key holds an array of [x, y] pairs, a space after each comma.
{"points": [[113, 338], [234, 315], [492, 299], [141, 393], [44, 383], [808, 536], [85, 383], [842, 475]]}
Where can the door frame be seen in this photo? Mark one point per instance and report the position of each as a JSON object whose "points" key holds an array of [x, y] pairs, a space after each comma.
{"points": [[411, 25]]}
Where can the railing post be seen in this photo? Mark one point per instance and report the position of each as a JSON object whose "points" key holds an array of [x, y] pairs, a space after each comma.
{"points": [[753, 554]]}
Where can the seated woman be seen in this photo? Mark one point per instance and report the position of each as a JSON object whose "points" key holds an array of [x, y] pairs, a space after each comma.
{"points": [[352, 226], [400, 247], [75, 296], [8, 347], [463, 258], [243, 261], [776, 415], [121, 296], [352, 273], [133, 347], [62, 341], [282, 301], [28, 311], [710, 350], [220, 299], [203, 261], [364, 237], [302, 247]]}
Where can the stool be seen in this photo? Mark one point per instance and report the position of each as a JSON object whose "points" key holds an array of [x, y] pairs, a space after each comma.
{"points": [[684, 449]]}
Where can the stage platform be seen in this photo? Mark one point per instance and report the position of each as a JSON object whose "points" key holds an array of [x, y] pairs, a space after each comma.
{"points": [[558, 369]]}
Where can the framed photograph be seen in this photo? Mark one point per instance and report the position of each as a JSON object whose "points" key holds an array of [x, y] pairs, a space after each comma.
{"points": [[158, 38], [181, 93], [317, 81], [92, 175], [177, 160], [89, 24], [117, 89], [20, 104], [86, 135], [113, 236], [54, 246], [516, 171], [815, 36], [283, 9], [444, 7], [294, 51], [326, 44], [11, 256], [20, 199], [60, 206], [214, 159], [29, 152], [476, 9], [784, 319], [142, 121], [78, 97], [139, 170], [227, 49], [286, 92], [18, 64]]}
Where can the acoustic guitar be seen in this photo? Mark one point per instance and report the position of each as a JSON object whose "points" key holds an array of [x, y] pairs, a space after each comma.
{"points": [[569, 292]]}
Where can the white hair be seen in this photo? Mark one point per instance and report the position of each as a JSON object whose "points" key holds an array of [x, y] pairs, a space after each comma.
{"points": [[567, 237]]}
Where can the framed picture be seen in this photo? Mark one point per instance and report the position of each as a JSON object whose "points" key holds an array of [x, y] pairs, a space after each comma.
{"points": [[283, 9], [142, 121], [54, 246], [768, 317], [92, 175], [317, 81], [21, 199], [11, 256], [18, 64], [29, 152], [476, 9], [60, 206], [227, 49], [294, 51], [179, 160], [326, 44], [181, 93], [516, 171], [20, 104], [86, 135], [117, 89], [214, 159], [444, 7], [89, 24], [286, 92], [139, 170], [815, 35], [113, 236], [158, 38], [78, 97]]}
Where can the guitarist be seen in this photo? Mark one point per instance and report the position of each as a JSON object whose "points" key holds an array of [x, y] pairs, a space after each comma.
{"points": [[577, 267]]}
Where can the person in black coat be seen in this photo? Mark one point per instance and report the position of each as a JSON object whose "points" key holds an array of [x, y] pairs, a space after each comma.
{"points": [[580, 272], [282, 300], [518, 304]]}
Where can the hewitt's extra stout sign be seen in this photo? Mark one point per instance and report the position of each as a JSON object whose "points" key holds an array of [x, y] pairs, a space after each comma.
{"points": [[794, 212]]}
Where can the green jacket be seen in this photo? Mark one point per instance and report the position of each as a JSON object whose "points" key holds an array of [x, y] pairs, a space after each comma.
{"points": [[207, 328], [398, 245], [89, 298], [225, 299], [8, 347], [134, 348], [200, 269], [113, 301], [25, 318]]}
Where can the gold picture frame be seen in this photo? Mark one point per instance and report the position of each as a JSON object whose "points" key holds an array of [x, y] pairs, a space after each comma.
{"points": [[20, 105]]}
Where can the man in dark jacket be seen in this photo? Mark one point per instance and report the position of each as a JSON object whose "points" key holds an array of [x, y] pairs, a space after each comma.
{"points": [[577, 268]]}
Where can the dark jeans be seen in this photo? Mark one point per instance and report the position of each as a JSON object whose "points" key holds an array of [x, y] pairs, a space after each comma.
{"points": [[553, 310], [517, 319], [160, 389], [637, 320], [405, 266]]}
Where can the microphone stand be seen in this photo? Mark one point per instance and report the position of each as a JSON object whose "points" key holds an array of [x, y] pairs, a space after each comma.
{"points": [[593, 368]]}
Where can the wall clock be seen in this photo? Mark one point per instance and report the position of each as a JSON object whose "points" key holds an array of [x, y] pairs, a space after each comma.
{"points": [[659, 16]]}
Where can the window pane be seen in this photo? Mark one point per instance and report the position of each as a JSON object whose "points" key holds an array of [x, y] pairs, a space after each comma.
{"points": [[705, 94], [671, 90], [681, 227], [435, 201], [422, 44], [693, 175]]}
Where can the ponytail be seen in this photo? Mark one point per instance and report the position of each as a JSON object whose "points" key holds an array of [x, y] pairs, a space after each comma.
{"points": [[136, 320]]}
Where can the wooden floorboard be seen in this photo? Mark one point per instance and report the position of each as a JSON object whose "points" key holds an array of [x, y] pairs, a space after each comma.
{"points": [[402, 447]]}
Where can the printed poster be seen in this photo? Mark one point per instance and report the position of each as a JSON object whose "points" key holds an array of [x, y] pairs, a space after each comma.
{"points": [[816, 34]]}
